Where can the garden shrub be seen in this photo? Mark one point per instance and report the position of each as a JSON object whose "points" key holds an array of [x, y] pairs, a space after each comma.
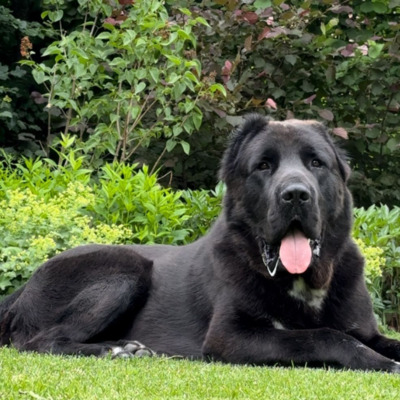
{"points": [[124, 79], [46, 208], [334, 61], [327, 60], [22, 121], [379, 230], [135, 198], [33, 229]]}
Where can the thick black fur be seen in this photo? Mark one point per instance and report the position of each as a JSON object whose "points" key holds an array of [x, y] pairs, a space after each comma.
{"points": [[215, 299]]}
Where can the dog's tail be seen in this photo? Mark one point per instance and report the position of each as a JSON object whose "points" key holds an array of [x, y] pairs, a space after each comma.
{"points": [[8, 301], [5, 317]]}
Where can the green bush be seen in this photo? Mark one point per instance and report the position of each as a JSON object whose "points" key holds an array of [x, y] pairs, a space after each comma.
{"points": [[21, 118], [328, 60], [378, 231], [46, 209], [126, 78], [133, 80], [135, 198], [33, 228]]}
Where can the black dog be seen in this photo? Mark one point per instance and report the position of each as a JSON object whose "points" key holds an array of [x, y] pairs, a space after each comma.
{"points": [[277, 279]]}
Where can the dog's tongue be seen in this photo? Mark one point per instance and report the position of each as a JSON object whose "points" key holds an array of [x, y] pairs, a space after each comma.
{"points": [[295, 252]]}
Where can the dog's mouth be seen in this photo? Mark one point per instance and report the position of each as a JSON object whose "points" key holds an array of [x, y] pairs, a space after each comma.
{"points": [[295, 252]]}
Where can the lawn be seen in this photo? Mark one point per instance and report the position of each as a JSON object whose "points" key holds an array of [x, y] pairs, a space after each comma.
{"points": [[32, 376]]}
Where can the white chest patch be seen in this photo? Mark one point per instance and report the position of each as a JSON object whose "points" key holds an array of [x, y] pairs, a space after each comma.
{"points": [[314, 298]]}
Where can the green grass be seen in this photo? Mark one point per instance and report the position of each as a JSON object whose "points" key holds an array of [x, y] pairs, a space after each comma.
{"points": [[31, 376]]}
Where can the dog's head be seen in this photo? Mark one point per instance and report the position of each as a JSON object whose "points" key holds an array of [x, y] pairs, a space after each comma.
{"points": [[286, 185]]}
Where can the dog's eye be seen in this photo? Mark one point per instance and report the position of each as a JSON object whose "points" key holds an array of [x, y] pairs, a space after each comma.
{"points": [[264, 166], [316, 163]]}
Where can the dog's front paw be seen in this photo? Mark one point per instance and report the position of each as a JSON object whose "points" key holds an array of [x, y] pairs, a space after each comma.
{"points": [[131, 349], [396, 367]]}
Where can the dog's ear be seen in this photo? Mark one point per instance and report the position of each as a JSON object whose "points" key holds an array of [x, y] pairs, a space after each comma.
{"points": [[341, 156], [343, 161], [253, 124]]}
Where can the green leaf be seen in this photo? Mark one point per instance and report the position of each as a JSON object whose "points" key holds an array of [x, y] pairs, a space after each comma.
{"points": [[170, 145], [5, 114], [197, 119], [379, 8], [52, 49], [104, 35], [332, 23], [135, 112], [55, 16], [140, 87], [185, 11], [393, 144], [291, 59], [18, 72], [323, 29], [262, 4], [394, 3], [188, 126], [191, 76], [155, 74], [218, 87], [202, 21], [374, 49], [39, 76], [185, 147], [177, 130], [174, 59]]}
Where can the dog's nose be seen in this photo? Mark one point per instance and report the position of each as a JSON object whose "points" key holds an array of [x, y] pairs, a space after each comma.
{"points": [[296, 194]]}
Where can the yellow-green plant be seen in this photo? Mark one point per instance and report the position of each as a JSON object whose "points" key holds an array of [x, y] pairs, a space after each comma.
{"points": [[374, 260], [33, 229]]}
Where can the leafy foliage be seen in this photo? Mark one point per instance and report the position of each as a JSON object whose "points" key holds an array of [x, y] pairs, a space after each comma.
{"points": [[46, 208], [19, 122], [329, 60], [32, 230], [379, 230], [310, 59], [127, 76]]}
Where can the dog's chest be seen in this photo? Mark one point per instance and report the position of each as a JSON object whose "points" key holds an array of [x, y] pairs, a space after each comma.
{"points": [[312, 298], [299, 307]]}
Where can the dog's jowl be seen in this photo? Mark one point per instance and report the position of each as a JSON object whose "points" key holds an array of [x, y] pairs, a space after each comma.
{"points": [[277, 280]]}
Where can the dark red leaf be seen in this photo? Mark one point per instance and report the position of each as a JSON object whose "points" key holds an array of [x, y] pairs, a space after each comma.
{"points": [[38, 98], [326, 114], [271, 104], [264, 33], [251, 17], [226, 69], [341, 132], [310, 99], [341, 9]]}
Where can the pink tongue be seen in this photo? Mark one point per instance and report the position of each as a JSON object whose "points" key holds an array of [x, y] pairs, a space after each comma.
{"points": [[295, 252]]}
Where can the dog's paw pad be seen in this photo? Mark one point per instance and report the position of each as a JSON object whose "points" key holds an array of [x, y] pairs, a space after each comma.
{"points": [[132, 349]]}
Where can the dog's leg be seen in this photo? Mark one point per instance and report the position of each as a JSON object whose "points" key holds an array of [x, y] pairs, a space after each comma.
{"points": [[82, 301], [226, 341], [58, 341], [103, 310], [388, 347]]}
